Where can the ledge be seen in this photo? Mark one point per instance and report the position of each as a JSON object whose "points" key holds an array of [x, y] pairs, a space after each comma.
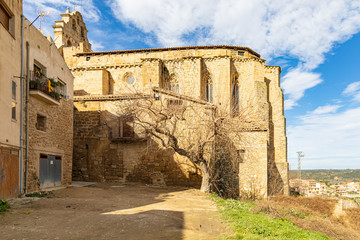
{"points": [[129, 139], [43, 97]]}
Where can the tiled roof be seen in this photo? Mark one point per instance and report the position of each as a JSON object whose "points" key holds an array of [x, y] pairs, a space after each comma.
{"points": [[171, 49]]}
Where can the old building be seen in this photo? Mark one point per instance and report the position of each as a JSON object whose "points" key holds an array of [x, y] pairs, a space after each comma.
{"points": [[48, 113], [36, 102], [233, 79], [10, 97]]}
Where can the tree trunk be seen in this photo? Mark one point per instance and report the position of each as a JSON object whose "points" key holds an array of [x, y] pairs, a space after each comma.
{"points": [[205, 183]]}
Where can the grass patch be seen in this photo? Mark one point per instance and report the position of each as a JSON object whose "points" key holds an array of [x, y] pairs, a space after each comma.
{"points": [[249, 225], [4, 205], [38, 194]]}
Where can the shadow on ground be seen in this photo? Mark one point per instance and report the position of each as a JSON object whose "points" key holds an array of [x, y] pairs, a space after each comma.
{"points": [[113, 211]]}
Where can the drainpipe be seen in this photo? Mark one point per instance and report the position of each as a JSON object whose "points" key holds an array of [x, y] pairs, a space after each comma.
{"points": [[22, 104], [27, 118]]}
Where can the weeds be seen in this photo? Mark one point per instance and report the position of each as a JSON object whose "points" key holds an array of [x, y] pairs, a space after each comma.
{"points": [[4, 205], [38, 194], [249, 225], [314, 214]]}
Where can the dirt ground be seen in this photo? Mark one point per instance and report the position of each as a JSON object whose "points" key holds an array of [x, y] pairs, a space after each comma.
{"points": [[114, 211]]}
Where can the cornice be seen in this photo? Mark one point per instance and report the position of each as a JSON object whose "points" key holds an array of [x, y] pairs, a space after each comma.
{"points": [[251, 59], [215, 58], [104, 67], [110, 97], [271, 69]]}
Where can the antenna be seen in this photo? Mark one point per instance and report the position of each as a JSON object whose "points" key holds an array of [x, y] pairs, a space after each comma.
{"points": [[300, 155], [40, 15]]}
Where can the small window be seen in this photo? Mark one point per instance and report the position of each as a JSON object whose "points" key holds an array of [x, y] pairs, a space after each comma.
{"points": [[4, 17], [13, 90], [175, 102], [209, 91], [82, 32], [130, 79], [13, 100], [74, 24], [41, 122], [61, 88], [174, 88], [240, 155], [39, 70], [87, 58], [241, 53], [126, 129], [13, 111], [235, 97]]}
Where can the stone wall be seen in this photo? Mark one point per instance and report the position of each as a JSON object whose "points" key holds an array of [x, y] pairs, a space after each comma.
{"points": [[55, 136], [184, 71], [101, 156], [55, 140], [260, 100]]}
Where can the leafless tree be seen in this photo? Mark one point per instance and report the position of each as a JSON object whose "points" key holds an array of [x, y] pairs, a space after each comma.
{"points": [[196, 130]]}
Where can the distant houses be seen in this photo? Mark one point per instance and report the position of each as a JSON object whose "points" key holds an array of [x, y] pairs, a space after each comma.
{"points": [[310, 187]]}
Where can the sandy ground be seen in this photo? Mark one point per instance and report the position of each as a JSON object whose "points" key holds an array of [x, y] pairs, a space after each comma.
{"points": [[114, 211]]}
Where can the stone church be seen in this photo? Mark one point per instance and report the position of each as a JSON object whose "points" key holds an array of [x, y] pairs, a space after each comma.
{"points": [[107, 146]]}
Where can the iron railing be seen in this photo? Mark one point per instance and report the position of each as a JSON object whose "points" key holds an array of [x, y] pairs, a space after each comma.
{"points": [[44, 84]]}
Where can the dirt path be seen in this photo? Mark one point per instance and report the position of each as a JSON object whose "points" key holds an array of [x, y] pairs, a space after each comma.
{"points": [[110, 211]]}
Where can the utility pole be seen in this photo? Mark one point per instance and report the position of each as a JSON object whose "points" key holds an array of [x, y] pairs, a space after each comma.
{"points": [[300, 155]]}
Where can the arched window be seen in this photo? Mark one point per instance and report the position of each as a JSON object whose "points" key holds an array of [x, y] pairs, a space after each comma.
{"points": [[235, 97], [68, 43], [209, 90], [82, 32], [74, 24], [174, 85]]}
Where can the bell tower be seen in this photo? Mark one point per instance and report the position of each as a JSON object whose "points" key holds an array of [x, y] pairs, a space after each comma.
{"points": [[71, 31]]}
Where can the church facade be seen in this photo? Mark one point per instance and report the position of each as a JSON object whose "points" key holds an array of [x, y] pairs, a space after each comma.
{"points": [[234, 79]]}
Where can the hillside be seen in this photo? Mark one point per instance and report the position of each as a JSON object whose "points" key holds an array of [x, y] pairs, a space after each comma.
{"points": [[329, 176]]}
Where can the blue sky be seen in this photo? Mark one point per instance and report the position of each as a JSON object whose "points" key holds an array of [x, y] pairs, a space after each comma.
{"points": [[317, 44]]}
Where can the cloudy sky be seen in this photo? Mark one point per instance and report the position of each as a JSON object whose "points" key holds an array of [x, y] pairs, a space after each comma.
{"points": [[317, 44]]}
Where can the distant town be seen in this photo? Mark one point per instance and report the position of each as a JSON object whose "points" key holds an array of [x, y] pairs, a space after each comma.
{"points": [[311, 187]]}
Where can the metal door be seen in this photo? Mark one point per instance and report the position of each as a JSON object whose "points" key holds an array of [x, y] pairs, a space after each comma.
{"points": [[9, 173], [50, 171]]}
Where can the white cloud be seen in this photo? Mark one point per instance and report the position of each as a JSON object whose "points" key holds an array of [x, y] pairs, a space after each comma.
{"points": [[328, 140], [96, 46], [54, 8], [304, 30], [326, 109], [353, 90], [295, 82]]}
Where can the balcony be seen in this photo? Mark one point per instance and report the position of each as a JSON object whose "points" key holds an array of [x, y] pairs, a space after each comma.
{"points": [[44, 89]]}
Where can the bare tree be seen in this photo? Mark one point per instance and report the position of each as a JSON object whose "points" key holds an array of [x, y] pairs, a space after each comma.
{"points": [[196, 130]]}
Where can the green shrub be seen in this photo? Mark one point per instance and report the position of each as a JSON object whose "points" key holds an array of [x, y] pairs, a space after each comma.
{"points": [[4, 205]]}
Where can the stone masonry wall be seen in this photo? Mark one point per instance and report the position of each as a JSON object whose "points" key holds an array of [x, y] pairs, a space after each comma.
{"points": [[260, 98], [98, 156], [55, 140]]}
